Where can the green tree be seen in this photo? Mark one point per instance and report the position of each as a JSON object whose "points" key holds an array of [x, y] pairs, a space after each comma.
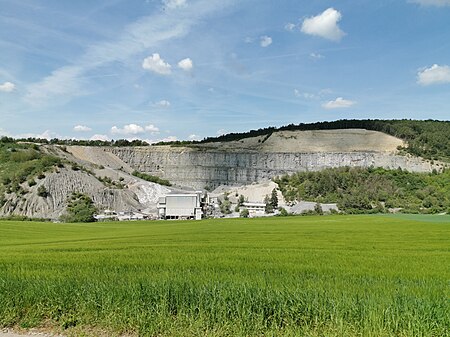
{"points": [[274, 199], [269, 207], [244, 213], [80, 208]]}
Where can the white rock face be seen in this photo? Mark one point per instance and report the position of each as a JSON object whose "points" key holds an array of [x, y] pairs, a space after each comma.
{"points": [[197, 169], [148, 193]]}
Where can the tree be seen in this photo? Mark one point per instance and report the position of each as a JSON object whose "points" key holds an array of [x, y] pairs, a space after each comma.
{"points": [[244, 213], [241, 200], [269, 207], [80, 208], [274, 199]]}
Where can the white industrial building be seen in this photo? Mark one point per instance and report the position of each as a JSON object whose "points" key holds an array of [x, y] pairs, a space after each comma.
{"points": [[181, 206], [255, 208]]}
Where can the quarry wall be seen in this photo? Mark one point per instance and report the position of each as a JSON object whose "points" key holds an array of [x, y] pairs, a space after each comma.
{"points": [[200, 169]]}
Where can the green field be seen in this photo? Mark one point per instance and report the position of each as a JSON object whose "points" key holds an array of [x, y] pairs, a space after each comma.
{"points": [[293, 276]]}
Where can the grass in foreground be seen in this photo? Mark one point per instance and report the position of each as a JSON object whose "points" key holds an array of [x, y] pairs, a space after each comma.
{"points": [[294, 276]]}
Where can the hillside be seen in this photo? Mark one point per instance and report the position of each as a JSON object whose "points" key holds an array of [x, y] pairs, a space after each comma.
{"points": [[429, 139], [37, 179], [366, 190], [329, 141]]}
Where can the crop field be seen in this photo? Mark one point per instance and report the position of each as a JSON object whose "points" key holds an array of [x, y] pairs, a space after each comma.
{"points": [[292, 276]]}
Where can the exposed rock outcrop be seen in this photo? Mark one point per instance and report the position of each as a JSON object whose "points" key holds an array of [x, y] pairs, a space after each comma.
{"points": [[198, 169]]}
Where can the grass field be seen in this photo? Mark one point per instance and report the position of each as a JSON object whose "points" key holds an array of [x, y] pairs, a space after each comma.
{"points": [[292, 276]]}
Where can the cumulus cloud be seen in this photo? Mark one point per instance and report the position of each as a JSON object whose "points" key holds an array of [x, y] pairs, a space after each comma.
{"points": [[438, 3], [289, 26], [434, 75], [104, 138], [151, 128], [134, 129], [162, 104], [194, 137], [157, 65], [186, 64], [47, 134], [172, 4], [265, 41], [81, 128], [167, 139], [7, 87], [324, 25], [338, 103]]}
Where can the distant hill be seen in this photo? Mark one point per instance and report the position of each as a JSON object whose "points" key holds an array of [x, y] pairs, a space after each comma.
{"points": [[429, 139]]}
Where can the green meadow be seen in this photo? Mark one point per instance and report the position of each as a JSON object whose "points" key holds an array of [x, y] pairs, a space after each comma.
{"points": [[365, 275]]}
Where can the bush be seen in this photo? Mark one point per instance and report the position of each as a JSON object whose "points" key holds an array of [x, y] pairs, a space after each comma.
{"points": [[151, 178], [80, 208], [244, 213], [283, 212], [42, 191]]}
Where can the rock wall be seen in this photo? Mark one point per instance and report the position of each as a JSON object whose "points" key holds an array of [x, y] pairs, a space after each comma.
{"points": [[197, 168]]}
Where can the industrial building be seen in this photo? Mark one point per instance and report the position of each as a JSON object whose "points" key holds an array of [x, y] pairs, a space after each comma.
{"points": [[181, 206]]}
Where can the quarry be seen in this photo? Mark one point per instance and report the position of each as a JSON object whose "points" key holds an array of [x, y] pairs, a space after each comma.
{"points": [[239, 167]]}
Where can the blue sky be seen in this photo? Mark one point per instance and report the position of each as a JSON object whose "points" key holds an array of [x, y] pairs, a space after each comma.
{"points": [[188, 69]]}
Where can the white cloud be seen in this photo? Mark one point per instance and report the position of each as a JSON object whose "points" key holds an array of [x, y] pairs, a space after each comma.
{"points": [[151, 128], [156, 64], [186, 64], [130, 129], [7, 87], [434, 75], [324, 25], [134, 129], [221, 132], [438, 3], [104, 138], [81, 128], [289, 26], [265, 41], [163, 104], [316, 56], [194, 137], [338, 103], [249, 39], [172, 4], [146, 33], [167, 139], [47, 134]]}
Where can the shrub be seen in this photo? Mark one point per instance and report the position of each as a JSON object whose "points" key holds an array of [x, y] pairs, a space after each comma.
{"points": [[42, 191], [153, 179], [244, 213], [80, 208]]}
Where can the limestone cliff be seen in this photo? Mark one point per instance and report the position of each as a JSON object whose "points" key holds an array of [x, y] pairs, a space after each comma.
{"points": [[255, 159]]}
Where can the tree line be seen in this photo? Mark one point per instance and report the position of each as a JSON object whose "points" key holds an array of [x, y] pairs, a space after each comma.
{"points": [[370, 190]]}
